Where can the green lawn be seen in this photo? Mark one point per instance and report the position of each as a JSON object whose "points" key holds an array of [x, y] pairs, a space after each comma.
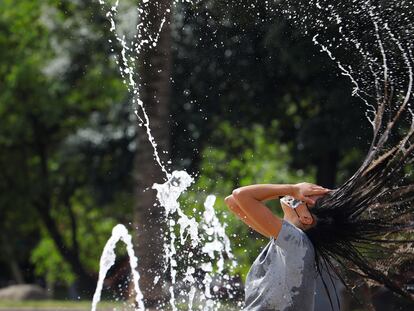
{"points": [[79, 305], [60, 305]]}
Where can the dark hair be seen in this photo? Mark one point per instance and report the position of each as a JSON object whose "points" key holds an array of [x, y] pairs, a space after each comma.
{"points": [[366, 225]]}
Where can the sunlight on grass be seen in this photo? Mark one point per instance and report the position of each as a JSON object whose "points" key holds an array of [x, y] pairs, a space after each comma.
{"points": [[61, 304]]}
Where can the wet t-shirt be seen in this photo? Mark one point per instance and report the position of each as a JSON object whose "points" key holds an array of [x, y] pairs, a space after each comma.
{"points": [[283, 276]]}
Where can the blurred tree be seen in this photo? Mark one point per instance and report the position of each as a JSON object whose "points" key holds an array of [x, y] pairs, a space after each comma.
{"points": [[243, 61], [51, 85]]}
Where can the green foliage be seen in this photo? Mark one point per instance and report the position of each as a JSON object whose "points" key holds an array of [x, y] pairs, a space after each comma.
{"points": [[49, 262], [239, 157], [248, 63], [94, 228], [53, 87]]}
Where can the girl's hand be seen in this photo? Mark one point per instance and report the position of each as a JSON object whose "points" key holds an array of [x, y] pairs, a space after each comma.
{"points": [[303, 191]]}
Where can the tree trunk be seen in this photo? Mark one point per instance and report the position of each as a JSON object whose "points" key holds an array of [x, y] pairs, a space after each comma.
{"points": [[148, 219]]}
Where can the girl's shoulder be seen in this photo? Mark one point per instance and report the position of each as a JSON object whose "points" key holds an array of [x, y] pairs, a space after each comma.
{"points": [[293, 238]]}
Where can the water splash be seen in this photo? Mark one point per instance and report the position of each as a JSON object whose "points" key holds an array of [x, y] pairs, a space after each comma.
{"points": [[213, 243], [372, 45], [130, 53], [119, 233], [215, 240], [371, 42], [169, 192]]}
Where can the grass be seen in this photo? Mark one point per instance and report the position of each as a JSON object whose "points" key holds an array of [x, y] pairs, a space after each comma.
{"points": [[81, 305], [59, 304]]}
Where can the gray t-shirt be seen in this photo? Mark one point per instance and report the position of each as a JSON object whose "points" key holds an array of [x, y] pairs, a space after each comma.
{"points": [[283, 276]]}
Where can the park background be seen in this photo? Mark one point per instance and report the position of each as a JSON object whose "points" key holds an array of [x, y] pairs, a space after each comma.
{"points": [[236, 95]]}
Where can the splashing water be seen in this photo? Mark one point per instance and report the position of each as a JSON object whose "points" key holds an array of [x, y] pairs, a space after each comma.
{"points": [[168, 193], [119, 233], [371, 42]]}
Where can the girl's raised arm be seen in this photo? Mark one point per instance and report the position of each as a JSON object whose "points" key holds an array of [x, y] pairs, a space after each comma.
{"points": [[234, 207], [249, 200]]}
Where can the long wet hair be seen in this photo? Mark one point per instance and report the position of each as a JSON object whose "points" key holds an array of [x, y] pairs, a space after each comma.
{"points": [[367, 225]]}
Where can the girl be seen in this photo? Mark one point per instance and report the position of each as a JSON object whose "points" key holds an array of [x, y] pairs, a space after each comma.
{"points": [[325, 232], [283, 275]]}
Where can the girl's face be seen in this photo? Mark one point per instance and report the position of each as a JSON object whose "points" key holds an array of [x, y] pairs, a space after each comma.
{"points": [[301, 216]]}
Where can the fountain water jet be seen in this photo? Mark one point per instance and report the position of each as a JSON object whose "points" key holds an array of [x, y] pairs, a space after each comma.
{"points": [[119, 233], [176, 182]]}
